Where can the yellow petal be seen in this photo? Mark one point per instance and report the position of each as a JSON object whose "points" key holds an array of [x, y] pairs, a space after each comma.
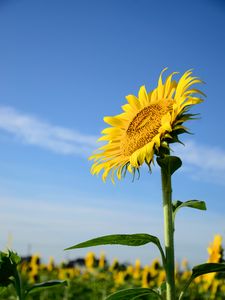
{"points": [[133, 101], [149, 152], [114, 121], [143, 96], [160, 87], [134, 159], [182, 82], [154, 96], [168, 84], [141, 155]]}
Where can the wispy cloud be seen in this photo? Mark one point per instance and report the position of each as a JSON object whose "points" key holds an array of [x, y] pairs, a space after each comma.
{"points": [[33, 131], [203, 162]]}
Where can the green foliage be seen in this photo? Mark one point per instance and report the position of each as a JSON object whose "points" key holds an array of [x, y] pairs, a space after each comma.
{"points": [[207, 268], [196, 204], [137, 239], [190, 203], [8, 265], [169, 163], [97, 283], [131, 294], [45, 285], [201, 270], [9, 275]]}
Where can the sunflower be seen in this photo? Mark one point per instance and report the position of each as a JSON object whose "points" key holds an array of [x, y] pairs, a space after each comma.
{"points": [[147, 125], [215, 250]]}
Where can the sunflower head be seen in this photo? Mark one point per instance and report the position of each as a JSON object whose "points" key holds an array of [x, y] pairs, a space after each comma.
{"points": [[148, 124]]}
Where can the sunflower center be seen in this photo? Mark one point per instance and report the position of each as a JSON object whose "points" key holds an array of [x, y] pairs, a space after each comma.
{"points": [[144, 126]]}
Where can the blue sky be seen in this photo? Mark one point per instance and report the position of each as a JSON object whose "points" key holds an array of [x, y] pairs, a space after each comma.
{"points": [[64, 65]]}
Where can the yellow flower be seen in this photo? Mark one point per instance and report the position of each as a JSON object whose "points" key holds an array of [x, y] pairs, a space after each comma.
{"points": [[215, 252], [155, 267], [51, 264], [34, 268], [161, 277], [90, 260], [146, 277], [115, 265], [137, 269], [102, 261], [148, 123], [215, 249], [119, 278]]}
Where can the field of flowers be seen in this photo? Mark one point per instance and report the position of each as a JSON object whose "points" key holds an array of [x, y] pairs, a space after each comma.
{"points": [[93, 278]]}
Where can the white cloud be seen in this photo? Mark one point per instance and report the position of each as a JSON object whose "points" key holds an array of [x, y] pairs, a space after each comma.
{"points": [[203, 162], [33, 131]]}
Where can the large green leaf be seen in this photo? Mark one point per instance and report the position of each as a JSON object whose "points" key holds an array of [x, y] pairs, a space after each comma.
{"points": [[137, 239], [130, 294], [207, 268], [190, 203], [45, 285], [170, 163], [201, 270]]}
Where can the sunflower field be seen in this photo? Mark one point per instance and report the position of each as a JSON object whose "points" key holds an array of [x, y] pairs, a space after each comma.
{"points": [[93, 278]]}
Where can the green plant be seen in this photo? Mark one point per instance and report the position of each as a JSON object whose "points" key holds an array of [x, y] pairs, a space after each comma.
{"points": [[9, 275]]}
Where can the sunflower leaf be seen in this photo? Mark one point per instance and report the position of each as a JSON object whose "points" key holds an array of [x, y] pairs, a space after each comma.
{"points": [[45, 285], [197, 204], [137, 239], [201, 270], [130, 294], [207, 268], [170, 163]]}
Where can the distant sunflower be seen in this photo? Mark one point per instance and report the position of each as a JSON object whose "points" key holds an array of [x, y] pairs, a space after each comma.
{"points": [[215, 250], [149, 123]]}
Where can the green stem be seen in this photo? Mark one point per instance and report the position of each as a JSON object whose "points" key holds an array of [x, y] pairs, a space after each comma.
{"points": [[162, 255], [17, 284], [185, 288], [168, 232]]}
